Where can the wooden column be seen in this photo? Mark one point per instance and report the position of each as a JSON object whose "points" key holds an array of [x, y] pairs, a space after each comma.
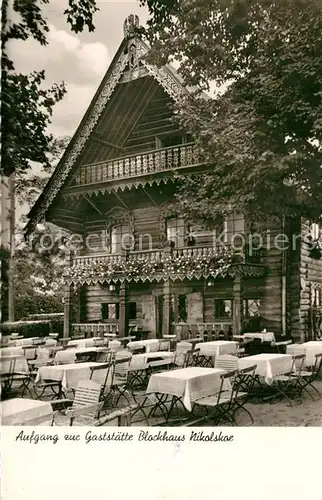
{"points": [[124, 311], [67, 300], [166, 307], [237, 304]]}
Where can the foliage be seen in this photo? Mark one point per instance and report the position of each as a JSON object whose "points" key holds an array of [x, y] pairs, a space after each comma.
{"points": [[144, 269], [33, 328], [261, 134], [38, 269], [26, 105]]}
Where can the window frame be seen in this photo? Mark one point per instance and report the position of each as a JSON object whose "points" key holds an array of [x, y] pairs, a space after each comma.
{"points": [[245, 307], [220, 317], [117, 311], [118, 244], [185, 230]]}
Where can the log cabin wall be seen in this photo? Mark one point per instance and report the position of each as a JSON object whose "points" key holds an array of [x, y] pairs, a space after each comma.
{"points": [[310, 276], [294, 324]]}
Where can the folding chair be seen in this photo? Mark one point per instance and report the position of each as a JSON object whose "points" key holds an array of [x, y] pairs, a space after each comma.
{"points": [[227, 362], [245, 378], [65, 357], [307, 377], [221, 404], [181, 349], [288, 384], [102, 374], [85, 403], [9, 374]]}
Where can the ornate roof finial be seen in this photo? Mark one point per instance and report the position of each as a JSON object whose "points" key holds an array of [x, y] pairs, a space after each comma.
{"points": [[131, 24]]}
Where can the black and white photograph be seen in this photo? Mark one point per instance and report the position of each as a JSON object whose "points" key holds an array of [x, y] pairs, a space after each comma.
{"points": [[161, 217]]}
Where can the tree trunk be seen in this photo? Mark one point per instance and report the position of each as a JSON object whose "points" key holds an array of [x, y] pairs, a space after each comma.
{"points": [[12, 225]]}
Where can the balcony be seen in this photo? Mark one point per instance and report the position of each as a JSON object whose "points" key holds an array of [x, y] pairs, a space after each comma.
{"points": [[157, 265], [152, 162]]}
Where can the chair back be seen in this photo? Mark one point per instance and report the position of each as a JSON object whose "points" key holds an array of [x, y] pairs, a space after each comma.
{"points": [[228, 378], [43, 353], [121, 369], [50, 342], [164, 345], [318, 364], [102, 374], [65, 357], [226, 362], [115, 345], [181, 349], [87, 393], [297, 363], [191, 357]]}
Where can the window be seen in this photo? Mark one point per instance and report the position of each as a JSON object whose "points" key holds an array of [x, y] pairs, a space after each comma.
{"points": [[166, 141], [315, 231], [176, 231], [223, 308], [182, 308], [316, 297], [235, 227], [251, 308], [132, 310], [111, 310], [121, 238]]}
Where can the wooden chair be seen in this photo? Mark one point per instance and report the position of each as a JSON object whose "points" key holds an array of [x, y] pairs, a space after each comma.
{"points": [[307, 377], [181, 349], [164, 345], [288, 384], [227, 362], [10, 375], [85, 403], [64, 357], [219, 407]]}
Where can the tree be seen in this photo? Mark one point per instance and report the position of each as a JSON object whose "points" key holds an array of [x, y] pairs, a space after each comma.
{"points": [[27, 107], [261, 135]]}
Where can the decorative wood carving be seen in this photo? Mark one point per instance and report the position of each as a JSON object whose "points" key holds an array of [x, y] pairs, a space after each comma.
{"points": [[117, 216]]}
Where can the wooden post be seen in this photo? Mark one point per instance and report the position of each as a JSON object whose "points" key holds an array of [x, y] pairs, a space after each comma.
{"points": [[67, 301], [237, 304], [67, 316], [166, 307], [124, 311]]}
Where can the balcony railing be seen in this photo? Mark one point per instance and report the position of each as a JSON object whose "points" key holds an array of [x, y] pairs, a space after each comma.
{"points": [[150, 265], [140, 164]]}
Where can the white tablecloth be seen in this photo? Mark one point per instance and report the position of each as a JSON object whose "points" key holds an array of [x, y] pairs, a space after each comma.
{"points": [[263, 336], [268, 365], [143, 361], [22, 342], [151, 345], [310, 349], [22, 411], [14, 364], [69, 375], [11, 351], [217, 347], [187, 383]]}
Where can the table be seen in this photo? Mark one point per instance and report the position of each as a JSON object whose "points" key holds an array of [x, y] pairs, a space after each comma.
{"points": [[11, 351], [150, 345], [263, 336], [310, 349], [187, 384], [80, 343], [268, 365], [217, 347], [13, 364], [21, 411], [145, 360], [69, 375]]}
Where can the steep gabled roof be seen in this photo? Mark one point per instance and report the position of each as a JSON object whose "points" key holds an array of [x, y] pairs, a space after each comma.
{"points": [[166, 76]]}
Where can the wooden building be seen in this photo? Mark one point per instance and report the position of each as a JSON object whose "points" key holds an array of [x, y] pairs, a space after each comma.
{"points": [[138, 262]]}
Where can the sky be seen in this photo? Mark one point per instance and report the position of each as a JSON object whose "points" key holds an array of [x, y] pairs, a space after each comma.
{"points": [[79, 60]]}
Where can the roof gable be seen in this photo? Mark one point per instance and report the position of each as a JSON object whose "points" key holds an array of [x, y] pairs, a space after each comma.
{"points": [[165, 76]]}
